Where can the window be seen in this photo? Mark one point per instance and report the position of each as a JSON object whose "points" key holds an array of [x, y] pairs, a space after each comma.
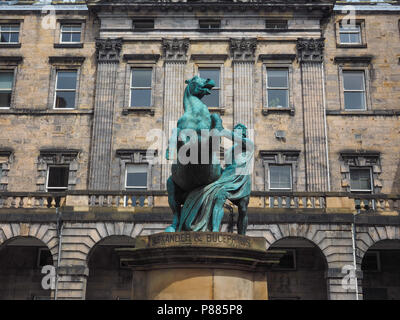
{"points": [[350, 34], [143, 24], [65, 89], [360, 179], [371, 262], [136, 177], [9, 33], [276, 24], [140, 87], [280, 177], [70, 33], [57, 178], [211, 100], [277, 88], [136, 180], [354, 90], [44, 257], [6, 85], [209, 24]]}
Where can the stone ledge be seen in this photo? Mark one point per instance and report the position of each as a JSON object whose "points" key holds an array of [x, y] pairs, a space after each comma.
{"points": [[10, 45], [68, 45], [363, 113], [266, 111], [149, 110]]}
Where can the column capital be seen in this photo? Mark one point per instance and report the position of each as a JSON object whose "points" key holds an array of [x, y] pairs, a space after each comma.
{"points": [[310, 50], [108, 50], [175, 50], [243, 50]]}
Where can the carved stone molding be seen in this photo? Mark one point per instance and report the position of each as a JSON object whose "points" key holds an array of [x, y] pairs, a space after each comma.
{"points": [[175, 49], [243, 50], [108, 50], [310, 50]]}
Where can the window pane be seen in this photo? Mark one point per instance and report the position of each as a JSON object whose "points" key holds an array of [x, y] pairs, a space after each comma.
{"points": [[66, 28], [355, 38], [353, 80], [141, 77], [5, 37], [140, 97], [344, 38], [277, 78], [5, 100], [277, 98], [14, 37], [354, 100], [76, 37], [58, 177], [6, 80], [66, 80], [211, 100], [280, 177], [360, 179], [213, 74], [136, 179], [76, 28], [65, 99], [66, 37]]}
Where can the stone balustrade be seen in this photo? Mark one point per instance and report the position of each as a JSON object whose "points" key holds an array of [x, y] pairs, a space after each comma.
{"points": [[330, 202]]}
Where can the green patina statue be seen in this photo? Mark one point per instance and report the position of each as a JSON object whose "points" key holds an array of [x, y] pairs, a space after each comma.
{"points": [[198, 186]]}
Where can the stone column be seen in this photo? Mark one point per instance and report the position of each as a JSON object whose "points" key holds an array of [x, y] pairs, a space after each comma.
{"points": [[243, 58], [310, 54], [108, 51], [175, 57]]}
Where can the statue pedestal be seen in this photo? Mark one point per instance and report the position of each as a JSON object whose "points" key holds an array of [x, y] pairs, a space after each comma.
{"points": [[199, 265]]}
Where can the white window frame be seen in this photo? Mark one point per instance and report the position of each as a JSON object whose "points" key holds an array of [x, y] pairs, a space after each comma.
{"points": [[364, 91], [12, 86], [214, 88], [69, 90], [10, 24], [70, 24], [278, 88], [344, 31], [47, 178], [132, 88], [370, 177], [269, 176]]}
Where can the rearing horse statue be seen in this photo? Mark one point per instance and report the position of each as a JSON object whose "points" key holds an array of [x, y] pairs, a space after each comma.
{"points": [[198, 188]]}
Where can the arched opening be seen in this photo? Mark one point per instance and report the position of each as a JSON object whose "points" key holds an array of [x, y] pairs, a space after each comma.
{"points": [[107, 280], [381, 271], [300, 274], [21, 262]]}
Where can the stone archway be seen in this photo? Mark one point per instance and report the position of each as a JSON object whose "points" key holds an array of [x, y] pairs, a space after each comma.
{"points": [[21, 262], [381, 271], [301, 272], [107, 279]]}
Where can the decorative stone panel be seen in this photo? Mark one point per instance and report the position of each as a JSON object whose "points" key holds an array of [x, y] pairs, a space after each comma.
{"points": [[108, 50], [175, 49], [243, 49], [310, 50]]}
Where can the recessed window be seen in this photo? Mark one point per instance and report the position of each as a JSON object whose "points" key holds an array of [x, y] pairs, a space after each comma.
{"points": [[209, 24], [143, 24], [280, 177], [6, 85], [71, 33], [277, 88], [140, 87], [276, 24], [360, 179], [65, 89], [44, 257], [350, 34], [354, 90], [9, 33], [287, 261], [136, 180], [371, 262], [57, 178], [211, 100]]}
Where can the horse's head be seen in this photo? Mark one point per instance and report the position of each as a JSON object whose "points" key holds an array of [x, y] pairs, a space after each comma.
{"points": [[199, 87]]}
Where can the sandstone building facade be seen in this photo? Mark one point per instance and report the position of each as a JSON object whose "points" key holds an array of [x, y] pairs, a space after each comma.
{"points": [[83, 85]]}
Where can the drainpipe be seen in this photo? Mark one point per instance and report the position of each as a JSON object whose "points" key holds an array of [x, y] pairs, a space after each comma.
{"points": [[353, 236], [60, 227]]}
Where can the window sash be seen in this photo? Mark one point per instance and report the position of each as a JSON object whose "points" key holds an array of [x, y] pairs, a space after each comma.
{"points": [[360, 179], [349, 31], [280, 182], [215, 90], [6, 92], [70, 32], [145, 88], [361, 91], [9, 29], [57, 90], [135, 168], [48, 178], [270, 89]]}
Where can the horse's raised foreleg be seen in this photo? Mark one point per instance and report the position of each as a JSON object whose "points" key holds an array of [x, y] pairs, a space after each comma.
{"points": [[174, 203]]}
